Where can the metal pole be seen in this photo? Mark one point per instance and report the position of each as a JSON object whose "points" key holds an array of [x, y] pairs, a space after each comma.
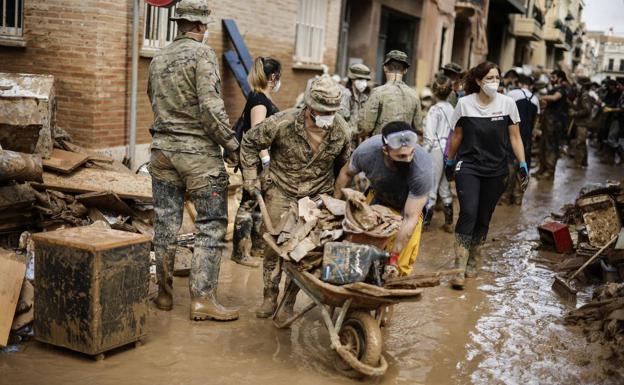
{"points": [[133, 86]]}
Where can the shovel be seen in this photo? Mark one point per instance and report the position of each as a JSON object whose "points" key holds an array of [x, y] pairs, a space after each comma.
{"points": [[265, 214], [562, 286]]}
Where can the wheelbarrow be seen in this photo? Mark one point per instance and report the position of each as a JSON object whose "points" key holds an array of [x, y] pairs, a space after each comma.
{"points": [[355, 330]]}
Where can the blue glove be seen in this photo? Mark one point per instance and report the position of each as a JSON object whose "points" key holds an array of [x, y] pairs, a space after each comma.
{"points": [[523, 175], [449, 169]]}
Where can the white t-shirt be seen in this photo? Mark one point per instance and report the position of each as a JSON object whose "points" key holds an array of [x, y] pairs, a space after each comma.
{"points": [[483, 150], [522, 94], [438, 125]]}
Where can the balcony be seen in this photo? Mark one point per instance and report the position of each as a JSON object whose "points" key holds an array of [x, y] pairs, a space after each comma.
{"points": [[554, 35], [526, 27], [467, 8]]}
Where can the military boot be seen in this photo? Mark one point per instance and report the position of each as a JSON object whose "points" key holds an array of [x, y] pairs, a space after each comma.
{"points": [[269, 304], [164, 271], [288, 310], [241, 244], [448, 218], [427, 218], [203, 287], [462, 247]]}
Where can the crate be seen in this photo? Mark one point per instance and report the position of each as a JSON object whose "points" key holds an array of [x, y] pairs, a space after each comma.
{"points": [[556, 235], [91, 288]]}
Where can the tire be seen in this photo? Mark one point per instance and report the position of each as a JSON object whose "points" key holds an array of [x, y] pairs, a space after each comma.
{"points": [[361, 332]]}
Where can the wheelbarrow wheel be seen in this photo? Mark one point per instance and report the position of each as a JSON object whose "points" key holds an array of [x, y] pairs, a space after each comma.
{"points": [[361, 335]]}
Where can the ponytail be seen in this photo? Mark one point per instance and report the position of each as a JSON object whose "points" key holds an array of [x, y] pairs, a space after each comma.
{"points": [[478, 72], [262, 70]]}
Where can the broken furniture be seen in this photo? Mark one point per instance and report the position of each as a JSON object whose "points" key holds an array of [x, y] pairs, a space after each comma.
{"points": [[556, 235], [11, 277], [91, 288], [27, 113]]}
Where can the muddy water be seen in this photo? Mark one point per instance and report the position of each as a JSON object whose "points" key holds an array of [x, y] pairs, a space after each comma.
{"points": [[504, 329]]}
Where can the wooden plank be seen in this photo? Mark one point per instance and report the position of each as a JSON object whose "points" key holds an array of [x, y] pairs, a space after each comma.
{"points": [[377, 291], [231, 29], [64, 161], [11, 277], [234, 64], [107, 201], [84, 180], [16, 197]]}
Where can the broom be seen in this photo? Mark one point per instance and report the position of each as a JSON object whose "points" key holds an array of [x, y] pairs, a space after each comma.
{"points": [[562, 286]]}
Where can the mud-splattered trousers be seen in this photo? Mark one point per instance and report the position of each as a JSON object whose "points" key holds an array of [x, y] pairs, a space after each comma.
{"points": [[173, 175], [552, 129], [247, 229]]}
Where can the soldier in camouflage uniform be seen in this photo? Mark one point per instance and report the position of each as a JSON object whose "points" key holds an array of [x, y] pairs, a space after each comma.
{"points": [[454, 72], [307, 146], [581, 112], [190, 127], [394, 101], [356, 93]]}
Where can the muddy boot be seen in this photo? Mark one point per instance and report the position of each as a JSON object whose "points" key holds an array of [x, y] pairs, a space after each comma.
{"points": [[462, 247], [269, 304], [288, 310], [427, 218], [448, 218], [241, 244], [203, 287]]}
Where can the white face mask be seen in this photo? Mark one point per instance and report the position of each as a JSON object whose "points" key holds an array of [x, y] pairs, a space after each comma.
{"points": [[490, 89], [277, 85], [360, 84], [205, 38], [324, 121]]}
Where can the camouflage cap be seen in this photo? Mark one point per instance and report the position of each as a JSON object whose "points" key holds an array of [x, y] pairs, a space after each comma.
{"points": [[193, 10], [453, 67], [399, 56], [359, 71], [324, 95]]}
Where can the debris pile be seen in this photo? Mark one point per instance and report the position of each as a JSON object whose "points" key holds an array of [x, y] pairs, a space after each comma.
{"points": [[593, 221], [304, 230], [603, 316]]}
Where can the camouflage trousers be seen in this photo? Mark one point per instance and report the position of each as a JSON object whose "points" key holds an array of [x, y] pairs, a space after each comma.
{"points": [[247, 229], [277, 203], [210, 201], [549, 143], [580, 146]]}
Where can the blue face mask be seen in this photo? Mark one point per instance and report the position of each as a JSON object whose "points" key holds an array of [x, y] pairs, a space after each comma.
{"points": [[461, 93]]}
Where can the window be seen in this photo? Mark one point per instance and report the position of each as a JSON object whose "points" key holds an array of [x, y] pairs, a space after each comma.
{"points": [[621, 65], [310, 31], [158, 30], [610, 68], [11, 19]]}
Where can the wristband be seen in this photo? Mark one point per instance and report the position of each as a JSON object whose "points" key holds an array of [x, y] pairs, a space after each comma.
{"points": [[450, 162]]}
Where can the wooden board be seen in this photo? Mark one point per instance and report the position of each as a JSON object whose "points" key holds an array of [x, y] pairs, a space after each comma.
{"points": [[89, 238], [107, 201], [16, 197], [11, 278], [84, 180], [377, 291], [64, 161]]}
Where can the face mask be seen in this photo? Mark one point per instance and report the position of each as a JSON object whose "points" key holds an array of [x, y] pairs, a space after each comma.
{"points": [[490, 89], [323, 121], [277, 86], [360, 84], [402, 167], [205, 38]]}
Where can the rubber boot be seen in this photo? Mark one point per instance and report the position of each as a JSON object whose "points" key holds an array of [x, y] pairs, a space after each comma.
{"points": [[241, 244], [164, 270], [462, 247], [269, 304], [448, 218], [288, 310], [203, 287], [427, 218]]}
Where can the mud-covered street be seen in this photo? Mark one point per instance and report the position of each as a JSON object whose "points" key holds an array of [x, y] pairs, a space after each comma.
{"points": [[506, 328]]}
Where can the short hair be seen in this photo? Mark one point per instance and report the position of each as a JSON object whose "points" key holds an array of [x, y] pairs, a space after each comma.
{"points": [[525, 79], [185, 26], [396, 126], [560, 74], [395, 66], [511, 74]]}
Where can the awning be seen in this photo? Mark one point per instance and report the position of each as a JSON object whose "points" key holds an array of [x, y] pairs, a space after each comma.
{"points": [[508, 6]]}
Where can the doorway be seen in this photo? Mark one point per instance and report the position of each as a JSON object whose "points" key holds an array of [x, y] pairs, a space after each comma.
{"points": [[396, 31]]}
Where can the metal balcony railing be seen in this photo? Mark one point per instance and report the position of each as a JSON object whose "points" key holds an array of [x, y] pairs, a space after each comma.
{"points": [[12, 18]]}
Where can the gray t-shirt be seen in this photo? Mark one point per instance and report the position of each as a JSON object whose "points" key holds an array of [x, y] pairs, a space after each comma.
{"points": [[392, 187]]}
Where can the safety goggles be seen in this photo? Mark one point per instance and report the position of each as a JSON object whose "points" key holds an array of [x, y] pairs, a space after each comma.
{"points": [[400, 139]]}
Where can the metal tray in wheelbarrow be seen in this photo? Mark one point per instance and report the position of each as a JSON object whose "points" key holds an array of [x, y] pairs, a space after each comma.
{"points": [[336, 296]]}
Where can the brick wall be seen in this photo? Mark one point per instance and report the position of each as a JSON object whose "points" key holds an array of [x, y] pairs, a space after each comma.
{"points": [[86, 46]]}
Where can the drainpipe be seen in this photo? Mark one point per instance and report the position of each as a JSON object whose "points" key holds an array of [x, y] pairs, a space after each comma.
{"points": [[133, 83]]}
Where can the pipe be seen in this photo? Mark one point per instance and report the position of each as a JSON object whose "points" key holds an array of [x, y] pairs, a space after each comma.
{"points": [[133, 84]]}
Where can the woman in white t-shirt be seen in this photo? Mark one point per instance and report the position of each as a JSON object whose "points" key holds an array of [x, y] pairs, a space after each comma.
{"points": [[485, 124]]}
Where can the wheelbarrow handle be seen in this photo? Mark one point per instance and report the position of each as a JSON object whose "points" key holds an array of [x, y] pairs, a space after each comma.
{"points": [[265, 214]]}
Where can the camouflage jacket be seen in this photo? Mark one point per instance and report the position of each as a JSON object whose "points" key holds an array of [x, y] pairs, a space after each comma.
{"points": [[294, 168], [185, 92], [388, 103], [582, 109]]}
